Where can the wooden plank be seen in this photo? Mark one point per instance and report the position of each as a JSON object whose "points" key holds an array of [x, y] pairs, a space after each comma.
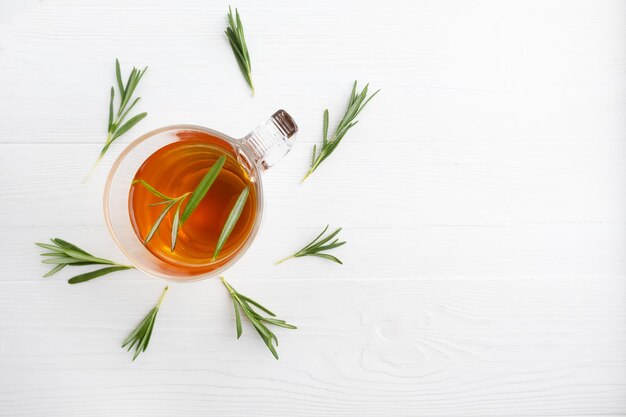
{"points": [[450, 184], [436, 347], [593, 251], [494, 71]]}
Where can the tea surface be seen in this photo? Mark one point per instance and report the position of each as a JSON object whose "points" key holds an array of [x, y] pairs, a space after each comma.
{"points": [[176, 169]]}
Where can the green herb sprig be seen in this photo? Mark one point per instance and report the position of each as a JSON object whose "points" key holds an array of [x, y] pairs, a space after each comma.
{"points": [[356, 103], [117, 125], [196, 196], [63, 253], [237, 40], [246, 305], [140, 337], [231, 221], [169, 203], [317, 246]]}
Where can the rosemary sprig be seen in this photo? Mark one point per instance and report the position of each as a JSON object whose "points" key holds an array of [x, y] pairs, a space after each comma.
{"points": [[117, 127], [140, 337], [356, 103], [169, 203], [237, 40], [231, 221], [245, 304], [63, 253], [196, 196], [317, 246]]}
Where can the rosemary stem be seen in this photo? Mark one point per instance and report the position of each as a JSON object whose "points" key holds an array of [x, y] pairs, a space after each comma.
{"points": [[284, 259], [314, 166], [109, 139], [228, 287], [93, 168], [162, 297], [309, 172]]}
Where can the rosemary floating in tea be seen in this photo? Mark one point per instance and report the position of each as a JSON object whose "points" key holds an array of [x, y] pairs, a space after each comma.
{"points": [[356, 103], [169, 203], [231, 221], [117, 126], [237, 40], [140, 337], [203, 187], [63, 253], [196, 196], [245, 304], [317, 246]]}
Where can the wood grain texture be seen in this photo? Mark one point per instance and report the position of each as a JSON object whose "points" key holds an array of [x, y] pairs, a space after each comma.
{"points": [[482, 196], [454, 345]]}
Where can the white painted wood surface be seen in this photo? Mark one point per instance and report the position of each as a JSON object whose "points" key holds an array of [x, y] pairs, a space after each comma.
{"points": [[482, 195]]}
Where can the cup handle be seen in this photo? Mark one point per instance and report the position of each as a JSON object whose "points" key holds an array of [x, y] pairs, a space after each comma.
{"points": [[270, 142]]}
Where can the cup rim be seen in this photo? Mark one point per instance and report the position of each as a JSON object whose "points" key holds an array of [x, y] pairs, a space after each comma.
{"points": [[107, 218]]}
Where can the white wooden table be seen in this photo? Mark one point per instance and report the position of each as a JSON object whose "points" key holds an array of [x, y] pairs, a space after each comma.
{"points": [[482, 196]]}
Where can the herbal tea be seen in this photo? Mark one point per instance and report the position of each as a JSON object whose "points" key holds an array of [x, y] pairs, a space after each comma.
{"points": [[176, 170]]}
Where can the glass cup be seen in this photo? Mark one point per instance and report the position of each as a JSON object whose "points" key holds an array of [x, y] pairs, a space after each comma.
{"points": [[256, 152]]}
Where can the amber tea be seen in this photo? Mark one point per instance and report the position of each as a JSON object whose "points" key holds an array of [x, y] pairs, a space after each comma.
{"points": [[184, 202], [177, 169]]}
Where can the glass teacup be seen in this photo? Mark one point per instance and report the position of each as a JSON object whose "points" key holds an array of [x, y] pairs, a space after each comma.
{"points": [[174, 159]]}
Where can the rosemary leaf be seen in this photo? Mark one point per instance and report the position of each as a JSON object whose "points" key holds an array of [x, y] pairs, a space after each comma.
{"points": [[158, 221], [68, 245], [88, 258], [251, 301], [203, 187], [95, 274], [123, 116], [175, 224], [153, 190], [50, 247], [279, 323], [118, 76], [324, 129], [55, 270], [66, 261], [327, 256], [111, 107], [231, 221], [237, 319], [127, 126]]}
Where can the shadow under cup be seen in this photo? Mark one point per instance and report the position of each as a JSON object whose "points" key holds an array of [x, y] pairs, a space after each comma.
{"points": [[116, 204]]}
